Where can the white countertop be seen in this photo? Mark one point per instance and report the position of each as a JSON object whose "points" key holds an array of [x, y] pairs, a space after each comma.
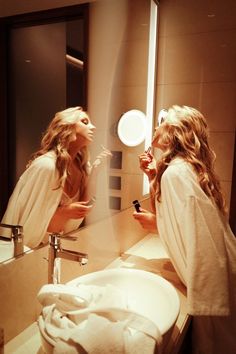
{"points": [[148, 254]]}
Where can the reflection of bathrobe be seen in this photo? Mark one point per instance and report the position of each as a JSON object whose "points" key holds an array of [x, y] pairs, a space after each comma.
{"points": [[35, 199], [200, 244]]}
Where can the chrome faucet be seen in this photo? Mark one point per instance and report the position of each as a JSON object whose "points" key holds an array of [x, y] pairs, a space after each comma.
{"points": [[56, 251], [17, 236]]}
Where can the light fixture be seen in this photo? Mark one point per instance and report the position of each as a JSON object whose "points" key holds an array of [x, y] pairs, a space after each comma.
{"points": [[74, 61], [131, 127], [151, 81]]}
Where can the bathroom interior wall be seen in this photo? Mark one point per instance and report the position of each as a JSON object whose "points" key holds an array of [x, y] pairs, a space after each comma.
{"points": [[196, 67]]}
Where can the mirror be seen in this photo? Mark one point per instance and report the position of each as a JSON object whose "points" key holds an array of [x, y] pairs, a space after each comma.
{"points": [[117, 82], [40, 83]]}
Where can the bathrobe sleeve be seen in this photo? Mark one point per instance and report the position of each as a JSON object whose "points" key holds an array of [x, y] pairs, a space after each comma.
{"points": [[194, 235], [34, 200]]}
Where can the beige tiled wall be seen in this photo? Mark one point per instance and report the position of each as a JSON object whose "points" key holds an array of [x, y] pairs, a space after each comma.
{"points": [[196, 67]]}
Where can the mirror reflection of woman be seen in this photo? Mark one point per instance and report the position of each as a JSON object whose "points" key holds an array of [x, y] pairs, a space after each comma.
{"points": [[189, 212], [53, 193]]}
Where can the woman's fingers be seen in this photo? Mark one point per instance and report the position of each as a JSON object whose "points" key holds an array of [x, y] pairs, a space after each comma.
{"points": [[78, 209], [146, 219], [102, 157]]}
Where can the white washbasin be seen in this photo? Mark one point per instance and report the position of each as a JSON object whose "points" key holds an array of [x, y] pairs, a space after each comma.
{"points": [[149, 295]]}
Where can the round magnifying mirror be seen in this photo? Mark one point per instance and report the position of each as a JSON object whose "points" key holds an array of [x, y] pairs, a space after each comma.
{"points": [[132, 127]]}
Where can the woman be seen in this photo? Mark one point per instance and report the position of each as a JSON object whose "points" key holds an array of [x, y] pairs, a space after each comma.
{"points": [[189, 212], [53, 194]]}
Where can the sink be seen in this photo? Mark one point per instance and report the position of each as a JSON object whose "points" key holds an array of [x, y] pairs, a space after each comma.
{"points": [[149, 295]]}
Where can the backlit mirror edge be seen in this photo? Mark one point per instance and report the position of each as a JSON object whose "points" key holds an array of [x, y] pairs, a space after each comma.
{"points": [[152, 50]]}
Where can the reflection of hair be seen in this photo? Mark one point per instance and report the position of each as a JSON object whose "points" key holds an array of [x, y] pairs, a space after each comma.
{"points": [[186, 135], [58, 137]]}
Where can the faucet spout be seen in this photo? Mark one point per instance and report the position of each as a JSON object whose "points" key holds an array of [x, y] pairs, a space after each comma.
{"points": [[56, 251], [82, 258]]}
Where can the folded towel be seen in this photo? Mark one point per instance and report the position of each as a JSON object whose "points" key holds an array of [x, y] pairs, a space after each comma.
{"points": [[94, 319], [75, 298]]}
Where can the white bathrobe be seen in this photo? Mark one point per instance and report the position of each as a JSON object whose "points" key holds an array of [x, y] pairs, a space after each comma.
{"points": [[35, 199], [202, 249]]}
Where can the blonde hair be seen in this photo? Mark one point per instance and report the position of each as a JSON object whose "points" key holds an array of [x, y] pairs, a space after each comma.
{"points": [[57, 138], [186, 135]]}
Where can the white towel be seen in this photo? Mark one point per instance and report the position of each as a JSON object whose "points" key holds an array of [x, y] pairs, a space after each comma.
{"points": [[96, 319], [75, 298]]}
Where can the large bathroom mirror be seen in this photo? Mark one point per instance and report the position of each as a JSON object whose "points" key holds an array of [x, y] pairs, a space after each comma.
{"points": [[95, 55], [45, 69]]}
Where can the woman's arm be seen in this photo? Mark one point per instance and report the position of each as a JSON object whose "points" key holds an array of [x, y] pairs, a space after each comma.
{"points": [[63, 213]]}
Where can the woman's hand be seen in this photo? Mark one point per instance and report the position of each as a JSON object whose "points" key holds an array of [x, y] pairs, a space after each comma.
{"points": [[147, 164], [99, 162], [146, 219], [75, 210], [102, 158]]}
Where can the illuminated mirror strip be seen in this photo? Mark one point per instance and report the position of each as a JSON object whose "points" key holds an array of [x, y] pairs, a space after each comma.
{"points": [[150, 83]]}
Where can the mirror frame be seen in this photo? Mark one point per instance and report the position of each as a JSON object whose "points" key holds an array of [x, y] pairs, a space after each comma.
{"points": [[7, 129]]}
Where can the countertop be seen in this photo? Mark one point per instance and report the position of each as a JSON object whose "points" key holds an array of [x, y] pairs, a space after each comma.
{"points": [[148, 254]]}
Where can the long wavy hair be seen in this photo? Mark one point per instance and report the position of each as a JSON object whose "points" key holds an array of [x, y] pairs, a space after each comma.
{"points": [[57, 138], [185, 134]]}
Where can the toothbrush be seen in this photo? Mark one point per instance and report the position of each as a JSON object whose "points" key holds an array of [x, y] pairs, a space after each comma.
{"points": [[148, 152], [103, 148]]}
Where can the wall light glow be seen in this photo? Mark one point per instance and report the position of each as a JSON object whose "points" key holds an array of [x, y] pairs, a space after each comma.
{"points": [[151, 82]]}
